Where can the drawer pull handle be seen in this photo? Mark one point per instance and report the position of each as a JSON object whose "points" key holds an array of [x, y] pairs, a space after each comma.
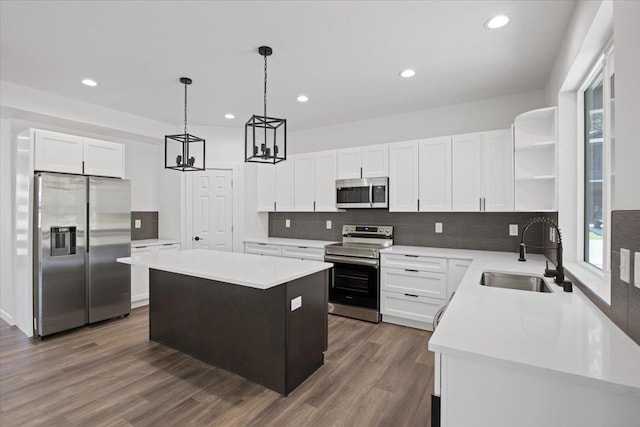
{"points": [[139, 247], [302, 247], [410, 270], [167, 244], [412, 256], [411, 295], [262, 244]]}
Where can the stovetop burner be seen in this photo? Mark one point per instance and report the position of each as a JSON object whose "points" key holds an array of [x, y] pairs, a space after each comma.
{"points": [[362, 241]]}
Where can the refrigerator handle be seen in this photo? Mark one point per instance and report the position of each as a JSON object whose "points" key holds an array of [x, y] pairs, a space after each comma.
{"points": [[86, 228]]}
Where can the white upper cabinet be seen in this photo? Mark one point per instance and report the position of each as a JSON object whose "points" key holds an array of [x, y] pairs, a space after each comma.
{"points": [[103, 158], [363, 162], [497, 171], [482, 171], [304, 178], [325, 169], [467, 174], [403, 176], [284, 183], [265, 187], [435, 174], [57, 152], [350, 163]]}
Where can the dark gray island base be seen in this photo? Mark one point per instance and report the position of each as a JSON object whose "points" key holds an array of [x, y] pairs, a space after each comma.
{"points": [[250, 332]]}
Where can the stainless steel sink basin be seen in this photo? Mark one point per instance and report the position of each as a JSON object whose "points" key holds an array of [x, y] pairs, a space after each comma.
{"points": [[514, 281]]}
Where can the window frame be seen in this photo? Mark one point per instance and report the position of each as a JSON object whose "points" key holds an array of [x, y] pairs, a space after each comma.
{"points": [[605, 64]]}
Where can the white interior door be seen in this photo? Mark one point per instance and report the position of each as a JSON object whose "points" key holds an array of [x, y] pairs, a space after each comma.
{"points": [[213, 210]]}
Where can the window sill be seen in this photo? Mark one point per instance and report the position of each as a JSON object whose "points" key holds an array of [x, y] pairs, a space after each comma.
{"points": [[597, 283]]}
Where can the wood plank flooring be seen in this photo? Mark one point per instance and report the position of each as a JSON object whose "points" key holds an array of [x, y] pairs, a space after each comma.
{"points": [[112, 375]]}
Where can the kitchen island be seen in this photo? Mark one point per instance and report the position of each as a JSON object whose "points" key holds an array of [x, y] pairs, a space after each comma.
{"points": [[261, 317]]}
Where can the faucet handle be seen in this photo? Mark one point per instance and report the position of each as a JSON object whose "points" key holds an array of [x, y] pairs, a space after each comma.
{"points": [[547, 272]]}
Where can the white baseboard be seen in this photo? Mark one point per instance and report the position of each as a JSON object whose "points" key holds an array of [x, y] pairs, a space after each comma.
{"points": [[407, 322], [7, 317], [139, 300]]}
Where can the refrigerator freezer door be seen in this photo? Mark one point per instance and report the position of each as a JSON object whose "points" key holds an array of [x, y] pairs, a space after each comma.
{"points": [[109, 238], [59, 252]]}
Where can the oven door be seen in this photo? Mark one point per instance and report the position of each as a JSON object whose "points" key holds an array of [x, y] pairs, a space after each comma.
{"points": [[354, 282]]}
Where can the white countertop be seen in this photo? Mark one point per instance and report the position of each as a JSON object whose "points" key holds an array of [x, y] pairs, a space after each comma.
{"points": [[563, 335], [255, 271], [152, 242], [320, 244]]}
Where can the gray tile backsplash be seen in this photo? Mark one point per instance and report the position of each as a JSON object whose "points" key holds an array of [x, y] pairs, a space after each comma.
{"points": [[149, 225], [461, 230]]}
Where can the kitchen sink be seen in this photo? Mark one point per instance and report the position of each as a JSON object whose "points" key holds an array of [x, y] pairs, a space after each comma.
{"points": [[514, 281]]}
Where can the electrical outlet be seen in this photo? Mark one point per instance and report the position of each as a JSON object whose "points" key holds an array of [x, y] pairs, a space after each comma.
{"points": [[296, 303], [625, 265], [287, 223], [636, 269], [438, 227], [329, 224], [138, 223], [513, 229]]}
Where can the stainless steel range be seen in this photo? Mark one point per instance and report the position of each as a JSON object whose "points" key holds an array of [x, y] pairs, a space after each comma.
{"points": [[355, 283]]}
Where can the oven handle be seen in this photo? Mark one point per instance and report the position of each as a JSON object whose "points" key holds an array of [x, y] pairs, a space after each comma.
{"points": [[356, 261]]}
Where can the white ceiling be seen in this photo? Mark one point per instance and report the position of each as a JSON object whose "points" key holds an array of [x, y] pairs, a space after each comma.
{"points": [[345, 55]]}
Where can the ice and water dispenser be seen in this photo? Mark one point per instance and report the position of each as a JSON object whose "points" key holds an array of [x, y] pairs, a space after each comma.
{"points": [[63, 241]]}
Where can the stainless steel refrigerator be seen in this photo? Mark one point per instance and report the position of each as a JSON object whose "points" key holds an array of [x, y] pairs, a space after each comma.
{"points": [[81, 225]]}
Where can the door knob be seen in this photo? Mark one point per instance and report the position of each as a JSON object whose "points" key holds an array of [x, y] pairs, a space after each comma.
{"points": [[196, 238]]}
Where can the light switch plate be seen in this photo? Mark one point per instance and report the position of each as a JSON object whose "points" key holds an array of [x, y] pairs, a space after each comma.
{"points": [[329, 224], [636, 269], [296, 303], [138, 223], [438, 227], [513, 229], [287, 223], [625, 265]]}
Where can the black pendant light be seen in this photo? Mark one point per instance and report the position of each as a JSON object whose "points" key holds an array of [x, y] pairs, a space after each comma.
{"points": [[265, 138], [184, 152]]}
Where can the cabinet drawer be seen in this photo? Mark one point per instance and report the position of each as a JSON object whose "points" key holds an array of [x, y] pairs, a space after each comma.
{"points": [[304, 252], [169, 247], [262, 249], [415, 282], [415, 262], [418, 308], [141, 250]]}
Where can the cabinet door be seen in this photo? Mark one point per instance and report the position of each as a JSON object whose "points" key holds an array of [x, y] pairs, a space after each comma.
{"points": [[103, 158], [375, 161], [350, 163], [457, 270], [435, 174], [57, 152], [466, 172], [497, 171], [403, 176], [304, 180], [284, 186], [266, 187], [325, 165]]}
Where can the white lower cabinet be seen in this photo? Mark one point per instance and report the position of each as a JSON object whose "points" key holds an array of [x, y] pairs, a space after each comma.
{"points": [[262, 249], [287, 251], [414, 287], [140, 275]]}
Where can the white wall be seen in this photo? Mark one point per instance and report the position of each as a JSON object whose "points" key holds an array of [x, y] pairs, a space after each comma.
{"points": [[7, 299], [487, 114], [626, 27]]}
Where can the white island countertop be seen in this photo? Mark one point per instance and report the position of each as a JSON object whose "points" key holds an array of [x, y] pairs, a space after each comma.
{"points": [[255, 271], [561, 335]]}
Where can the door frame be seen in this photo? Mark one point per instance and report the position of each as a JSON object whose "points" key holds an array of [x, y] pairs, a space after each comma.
{"points": [[236, 221]]}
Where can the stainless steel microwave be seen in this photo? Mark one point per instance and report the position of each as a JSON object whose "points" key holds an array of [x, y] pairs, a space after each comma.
{"points": [[362, 193]]}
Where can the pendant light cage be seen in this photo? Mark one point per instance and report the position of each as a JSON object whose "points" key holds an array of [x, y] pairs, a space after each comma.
{"points": [[265, 138], [184, 152]]}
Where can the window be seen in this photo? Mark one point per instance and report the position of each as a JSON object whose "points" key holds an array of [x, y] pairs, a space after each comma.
{"points": [[597, 102]]}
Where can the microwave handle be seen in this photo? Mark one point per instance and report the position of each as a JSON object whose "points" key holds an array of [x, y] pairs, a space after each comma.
{"points": [[370, 195]]}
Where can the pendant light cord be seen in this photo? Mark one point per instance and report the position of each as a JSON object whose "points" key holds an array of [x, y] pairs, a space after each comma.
{"points": [[265, 87], [185, 108]]}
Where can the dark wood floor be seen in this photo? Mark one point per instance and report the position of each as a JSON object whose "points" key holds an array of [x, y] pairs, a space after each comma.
{"points": [[112, 375]]}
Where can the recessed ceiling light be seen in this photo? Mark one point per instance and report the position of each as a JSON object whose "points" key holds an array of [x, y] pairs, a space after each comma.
{"points": [[498, 21], [302, 98], [405, 74], [229, 116], [89, 82]]}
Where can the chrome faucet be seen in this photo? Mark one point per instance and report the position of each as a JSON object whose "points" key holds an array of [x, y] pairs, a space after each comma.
{"points": [[558, 272]]}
